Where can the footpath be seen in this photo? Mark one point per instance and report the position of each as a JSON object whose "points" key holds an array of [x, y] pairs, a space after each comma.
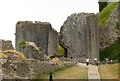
{"points": [[93, 74]]}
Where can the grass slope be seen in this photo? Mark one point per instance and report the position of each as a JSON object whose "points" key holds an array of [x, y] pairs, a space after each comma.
{"points": [[68, 73], [109, 71], [105, 14], [111, 52]]}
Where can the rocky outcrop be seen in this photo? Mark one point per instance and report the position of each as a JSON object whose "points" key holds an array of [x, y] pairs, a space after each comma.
{"points": [[6, 45], [32, 51], [110, 32], [41, 33], [79, 36]]}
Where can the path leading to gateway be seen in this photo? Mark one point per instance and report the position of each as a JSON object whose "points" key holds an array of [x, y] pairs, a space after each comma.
{"points": [[93, 73]]}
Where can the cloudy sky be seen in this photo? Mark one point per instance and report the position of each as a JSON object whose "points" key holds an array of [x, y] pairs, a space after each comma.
{"points": [[53, 11]]}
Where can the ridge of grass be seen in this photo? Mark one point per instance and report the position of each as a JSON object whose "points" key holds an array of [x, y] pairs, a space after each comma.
{"points": [[105, 14], [109, 71], [15, 52]]}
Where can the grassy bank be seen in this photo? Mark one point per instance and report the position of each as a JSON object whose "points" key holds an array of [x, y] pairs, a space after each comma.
{"points": [[74, 72], [111, 52], [109, 71], [105, 14]]}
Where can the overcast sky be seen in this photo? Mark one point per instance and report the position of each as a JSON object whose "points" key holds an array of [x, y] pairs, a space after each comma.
{"points": [[53, 11]]}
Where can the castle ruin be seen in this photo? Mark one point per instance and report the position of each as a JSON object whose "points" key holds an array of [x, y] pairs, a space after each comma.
{"points": [[79, 36], [41, 33]]}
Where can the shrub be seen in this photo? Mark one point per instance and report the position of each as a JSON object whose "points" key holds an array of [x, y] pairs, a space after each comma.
{"points": [[22, 45]]}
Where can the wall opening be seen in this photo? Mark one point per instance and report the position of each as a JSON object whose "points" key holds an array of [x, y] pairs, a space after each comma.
{"points": [[65, 52]]}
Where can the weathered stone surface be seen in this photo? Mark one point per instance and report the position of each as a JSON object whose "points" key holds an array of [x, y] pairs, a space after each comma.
{"points": [[14, 65], [41, 33], [32, 51], [6, 45], [110, 32], [79, 35]]}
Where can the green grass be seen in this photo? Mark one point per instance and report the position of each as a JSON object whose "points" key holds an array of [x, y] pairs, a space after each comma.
{"points": [[105, 14], [74, 72], [60, 51], [109, 71], [111, 52]]}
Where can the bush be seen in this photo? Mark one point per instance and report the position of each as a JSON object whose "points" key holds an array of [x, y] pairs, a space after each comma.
{"points": [[22, 45]]}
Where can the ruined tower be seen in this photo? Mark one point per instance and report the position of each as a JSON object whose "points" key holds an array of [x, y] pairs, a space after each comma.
{"points": [[79, 36], [41, 33]]}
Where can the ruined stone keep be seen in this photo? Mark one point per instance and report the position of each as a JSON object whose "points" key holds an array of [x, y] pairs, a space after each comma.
{"points": [[41, 33], [79, 36]]}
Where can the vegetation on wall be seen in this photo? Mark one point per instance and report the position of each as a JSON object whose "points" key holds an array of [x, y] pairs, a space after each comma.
{"points": [[105, 14], [22, 45], [60, 51]]}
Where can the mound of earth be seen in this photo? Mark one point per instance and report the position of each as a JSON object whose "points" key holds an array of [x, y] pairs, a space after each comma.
{"points": [[12, 55]]}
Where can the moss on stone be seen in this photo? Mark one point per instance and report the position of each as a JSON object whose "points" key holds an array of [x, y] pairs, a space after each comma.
{"points": [[105, 14]]}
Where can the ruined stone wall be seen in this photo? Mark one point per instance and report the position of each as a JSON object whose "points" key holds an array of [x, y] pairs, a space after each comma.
{"points": [[79, 35], [37, 32], [52, 42], [110, 32], [29, 69], [6, 45]]}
